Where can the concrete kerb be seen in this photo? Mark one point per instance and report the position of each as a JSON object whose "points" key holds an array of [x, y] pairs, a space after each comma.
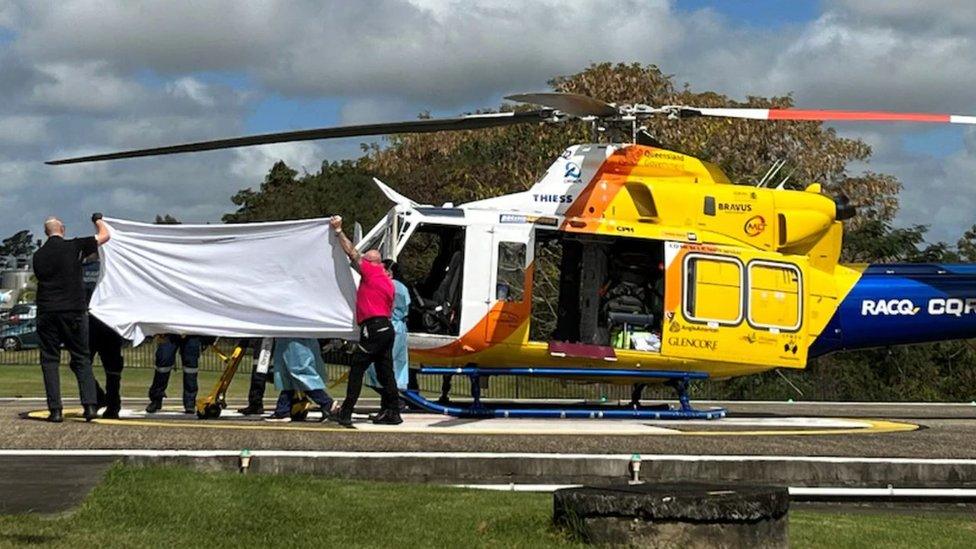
{"points": [[504, 468]]}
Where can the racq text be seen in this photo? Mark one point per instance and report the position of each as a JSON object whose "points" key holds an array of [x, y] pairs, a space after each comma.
{"points": [[905, 307]]}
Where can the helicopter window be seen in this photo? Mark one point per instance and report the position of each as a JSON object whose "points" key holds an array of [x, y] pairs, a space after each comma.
{"points": [[510, 283], [774, 296], [713, 289], [432, 264], [378, 238], [709, 208]]}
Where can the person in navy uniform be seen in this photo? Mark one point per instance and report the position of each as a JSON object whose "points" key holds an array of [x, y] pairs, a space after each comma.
{"points": [[62, 312], [189, 348]]}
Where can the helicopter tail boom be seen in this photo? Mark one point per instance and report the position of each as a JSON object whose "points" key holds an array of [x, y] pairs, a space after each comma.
{"points": [[901, 304]]}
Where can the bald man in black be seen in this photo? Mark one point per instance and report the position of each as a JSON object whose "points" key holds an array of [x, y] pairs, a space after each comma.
{"points": [[62, 312]]}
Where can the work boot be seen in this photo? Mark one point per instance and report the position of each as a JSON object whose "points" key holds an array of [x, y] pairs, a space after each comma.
{"points": [[332, 413], [111, 413], [251, 410], [344, 418], [154, 406], [91, 412], [279, 417], [55, 416], [388, 417]]}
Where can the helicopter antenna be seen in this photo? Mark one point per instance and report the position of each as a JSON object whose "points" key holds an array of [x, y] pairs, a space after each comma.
{"points": [[788, 382], [787, 178], [771, 173], [765, 176]]}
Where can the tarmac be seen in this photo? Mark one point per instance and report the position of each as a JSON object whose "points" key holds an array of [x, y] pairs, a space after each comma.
{"points": [[795, 444], [751, 428]]}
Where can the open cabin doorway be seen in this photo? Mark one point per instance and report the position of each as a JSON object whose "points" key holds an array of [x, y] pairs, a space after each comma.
{"points": [[596, 290], [432, 265]]}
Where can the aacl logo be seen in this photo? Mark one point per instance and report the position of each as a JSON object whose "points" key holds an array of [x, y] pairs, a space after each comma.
{"points": [[890, 307]]}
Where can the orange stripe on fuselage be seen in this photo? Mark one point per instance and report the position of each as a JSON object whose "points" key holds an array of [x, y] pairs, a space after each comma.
{"points": [[503, 319], [608, 180]]}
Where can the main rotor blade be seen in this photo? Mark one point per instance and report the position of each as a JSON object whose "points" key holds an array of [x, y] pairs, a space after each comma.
{"points": [[827, 115], [470, 122], [570, 103]]}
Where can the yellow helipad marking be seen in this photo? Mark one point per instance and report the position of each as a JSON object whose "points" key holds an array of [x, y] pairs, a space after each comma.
{"points": [[431, 424], [873, 426]]}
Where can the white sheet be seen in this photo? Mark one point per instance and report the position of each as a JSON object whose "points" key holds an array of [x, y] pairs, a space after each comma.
{"points": [[284, 279]]}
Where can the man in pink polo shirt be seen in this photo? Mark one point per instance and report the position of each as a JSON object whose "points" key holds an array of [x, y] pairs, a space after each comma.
{"points": [[374, 306]]}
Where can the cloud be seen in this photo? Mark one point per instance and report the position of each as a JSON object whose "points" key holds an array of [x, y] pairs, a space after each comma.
{"points": [[442, 53], [22, 129], [169, 37], [86, 76], [302, 156], [932, 16]]}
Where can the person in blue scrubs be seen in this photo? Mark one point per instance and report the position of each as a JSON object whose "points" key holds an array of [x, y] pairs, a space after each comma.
{"points": [[299, 367], [401, 308]]}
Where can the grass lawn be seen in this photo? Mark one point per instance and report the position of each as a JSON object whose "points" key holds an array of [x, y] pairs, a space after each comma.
{"points": [[898, 529], [177, 507], [165, 507], [26, 381]]}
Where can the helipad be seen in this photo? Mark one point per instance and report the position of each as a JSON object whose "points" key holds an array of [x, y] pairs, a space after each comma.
{"points": [[420, 423]]}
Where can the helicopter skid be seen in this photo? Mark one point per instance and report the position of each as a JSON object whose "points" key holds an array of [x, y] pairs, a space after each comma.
{"points": [[478, 409]]}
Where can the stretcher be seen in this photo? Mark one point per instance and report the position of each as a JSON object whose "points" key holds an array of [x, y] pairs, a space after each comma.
{"points": [[214, 403]]}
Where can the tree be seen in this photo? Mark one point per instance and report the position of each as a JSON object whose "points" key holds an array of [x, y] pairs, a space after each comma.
{"points": [[166, 220], [343, 188], [21, 243]]}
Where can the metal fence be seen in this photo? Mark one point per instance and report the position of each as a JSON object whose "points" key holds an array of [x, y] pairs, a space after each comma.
{"points": [[143, 356]]}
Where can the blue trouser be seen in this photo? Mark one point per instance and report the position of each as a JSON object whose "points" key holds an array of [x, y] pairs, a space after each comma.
{"points": [[189, 348]]}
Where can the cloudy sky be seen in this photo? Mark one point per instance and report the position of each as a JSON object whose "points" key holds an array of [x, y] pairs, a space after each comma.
{"points": [[86, 76]]}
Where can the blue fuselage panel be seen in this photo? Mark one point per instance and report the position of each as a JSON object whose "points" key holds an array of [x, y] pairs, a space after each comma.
{"points": [[900, 304]]}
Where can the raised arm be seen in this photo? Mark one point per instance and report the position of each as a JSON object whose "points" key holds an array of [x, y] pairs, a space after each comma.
{"points": [[101, 229], [344, 241]]}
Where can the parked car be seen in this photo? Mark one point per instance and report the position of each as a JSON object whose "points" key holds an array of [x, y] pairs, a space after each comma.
{"points": [[20, 334], [22, 312]]}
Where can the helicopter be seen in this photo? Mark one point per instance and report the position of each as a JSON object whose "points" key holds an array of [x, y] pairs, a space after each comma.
{"points": [[665, 271]]}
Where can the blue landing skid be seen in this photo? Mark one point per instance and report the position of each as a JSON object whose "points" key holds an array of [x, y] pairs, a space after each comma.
{"points": [[678, 380]]}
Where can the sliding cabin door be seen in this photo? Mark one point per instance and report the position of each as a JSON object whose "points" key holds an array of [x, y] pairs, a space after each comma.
{"points": [[732, 305]]}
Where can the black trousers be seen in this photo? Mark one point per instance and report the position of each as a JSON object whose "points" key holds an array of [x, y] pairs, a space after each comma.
{"points": [[255, 393], [189, 348], [104, 342], [71, 330], [376, 337]]}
